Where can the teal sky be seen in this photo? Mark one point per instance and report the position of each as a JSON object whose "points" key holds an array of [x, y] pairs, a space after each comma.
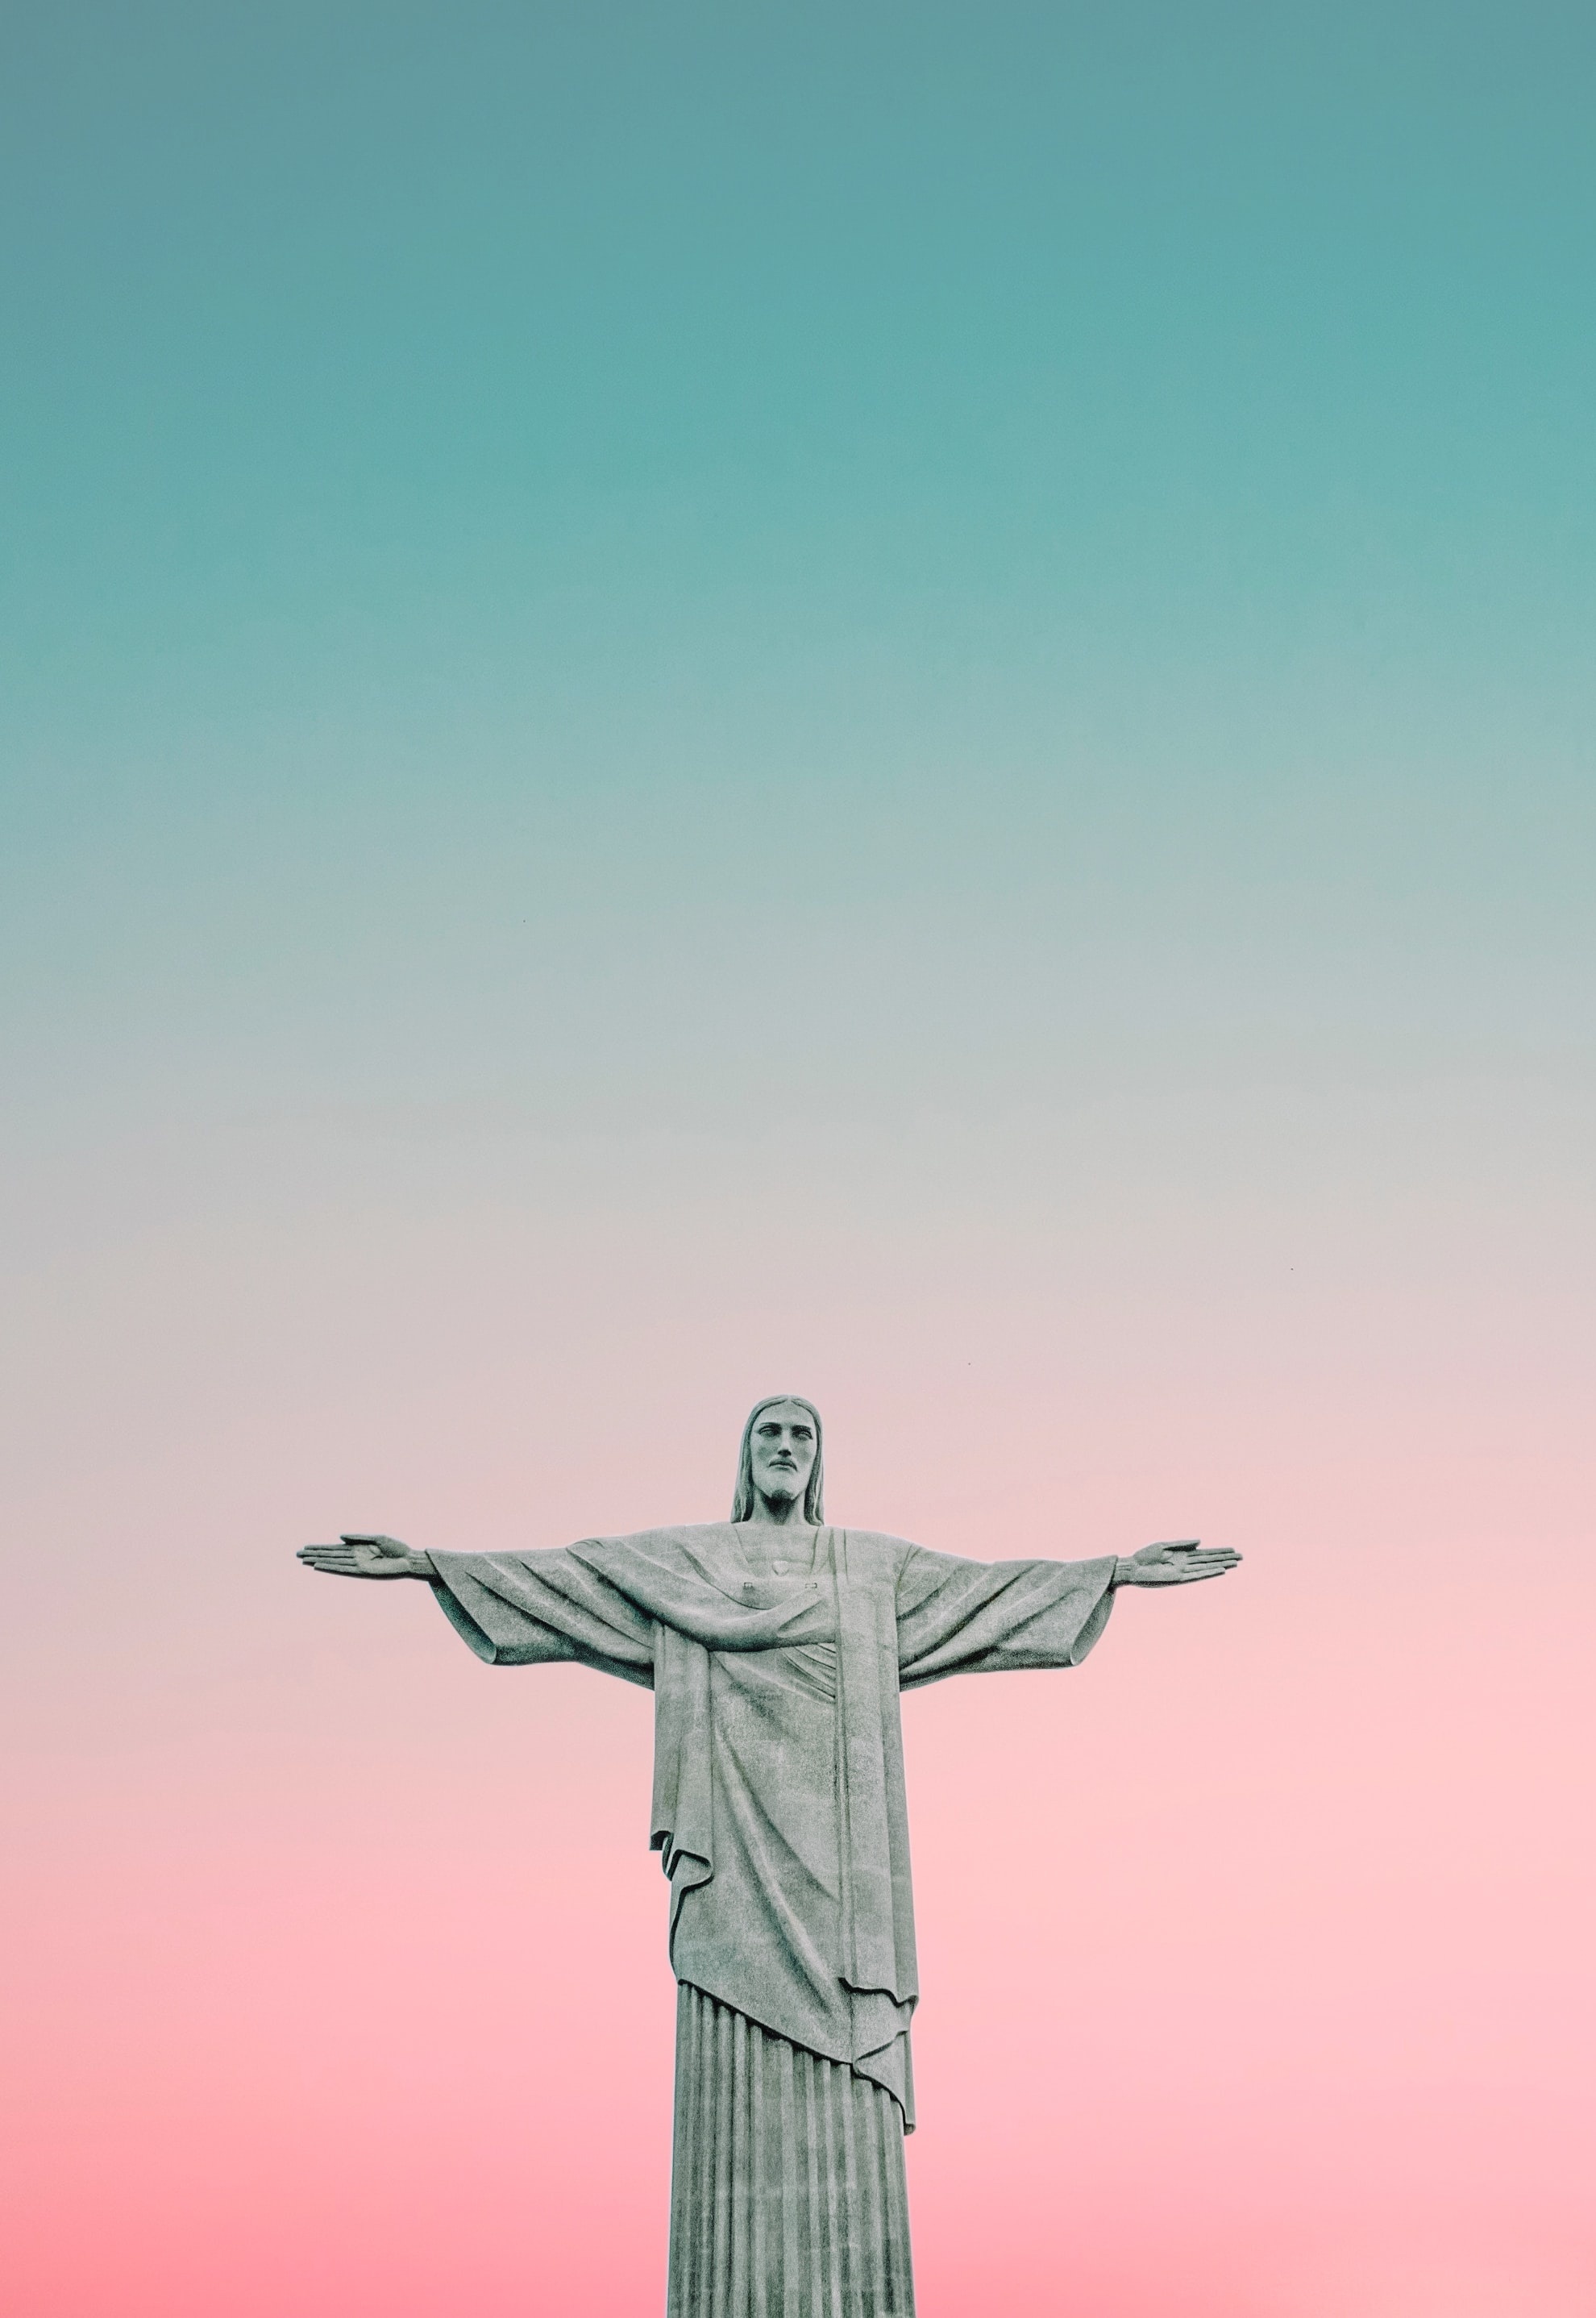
{"points": [[1055, 546], [1089, 509]]}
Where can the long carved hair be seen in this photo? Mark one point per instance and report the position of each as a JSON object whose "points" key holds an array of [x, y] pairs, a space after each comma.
{"points": [[743, 1501]]}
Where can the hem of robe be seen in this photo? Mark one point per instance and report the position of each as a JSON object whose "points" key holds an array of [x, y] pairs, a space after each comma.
{"points": [[476, 1637], [787, 2181], [889, 2066]]}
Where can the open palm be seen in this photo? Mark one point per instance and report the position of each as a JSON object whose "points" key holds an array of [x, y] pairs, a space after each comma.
{"points": [[1178, 1561], [363, 1554]]}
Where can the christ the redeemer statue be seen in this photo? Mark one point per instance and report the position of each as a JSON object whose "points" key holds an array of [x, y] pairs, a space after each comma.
{"points": [[776, 1647]]}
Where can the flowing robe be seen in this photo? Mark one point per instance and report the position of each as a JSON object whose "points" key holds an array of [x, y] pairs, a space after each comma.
{"points": [[780, 1814]]}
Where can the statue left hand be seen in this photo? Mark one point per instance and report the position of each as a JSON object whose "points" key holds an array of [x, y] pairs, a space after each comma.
{"points": [[366, 1555], [1179, 1561]]}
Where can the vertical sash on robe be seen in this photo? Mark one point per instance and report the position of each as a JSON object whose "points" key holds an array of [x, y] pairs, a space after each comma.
{"points": [[805, 1922]]}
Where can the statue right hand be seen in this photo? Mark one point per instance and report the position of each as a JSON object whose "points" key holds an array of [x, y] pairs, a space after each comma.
{"points": [[362, 1554], [1178, 1561]]}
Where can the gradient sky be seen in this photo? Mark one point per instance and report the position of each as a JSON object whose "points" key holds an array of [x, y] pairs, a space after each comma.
{"points": [[889, 702]]}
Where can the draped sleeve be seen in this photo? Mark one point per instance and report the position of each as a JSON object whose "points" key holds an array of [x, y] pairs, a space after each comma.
{"points": [[535, 1609], [997, 1617]]}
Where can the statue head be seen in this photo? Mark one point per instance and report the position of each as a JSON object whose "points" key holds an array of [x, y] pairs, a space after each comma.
{"points": [[781, 1457]]}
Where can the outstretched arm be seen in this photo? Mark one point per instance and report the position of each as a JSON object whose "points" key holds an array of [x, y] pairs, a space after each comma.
{"points": [[361, 1553], [993, 1617], [512, 1609]]}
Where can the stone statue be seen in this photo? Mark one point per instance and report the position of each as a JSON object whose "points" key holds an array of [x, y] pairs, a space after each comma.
{"points": [[776, 1647]]}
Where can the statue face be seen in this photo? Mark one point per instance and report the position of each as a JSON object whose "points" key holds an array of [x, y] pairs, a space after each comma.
{"points": [[783, 1449]]}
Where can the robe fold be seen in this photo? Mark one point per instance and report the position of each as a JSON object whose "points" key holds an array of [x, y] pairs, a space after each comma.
{"points": [[780, 1814], [779, 1806]]}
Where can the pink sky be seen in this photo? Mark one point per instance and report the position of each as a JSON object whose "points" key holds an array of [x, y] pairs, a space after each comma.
{"points": [[1255, 1953]]}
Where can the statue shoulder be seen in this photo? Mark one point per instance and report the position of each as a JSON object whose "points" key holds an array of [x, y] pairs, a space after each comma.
{"points": [[649, 1558], [875, 1549], [677, 1545]]}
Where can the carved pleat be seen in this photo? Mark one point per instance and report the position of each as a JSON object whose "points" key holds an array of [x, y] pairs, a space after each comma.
{"points": [[787, 2197]]}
